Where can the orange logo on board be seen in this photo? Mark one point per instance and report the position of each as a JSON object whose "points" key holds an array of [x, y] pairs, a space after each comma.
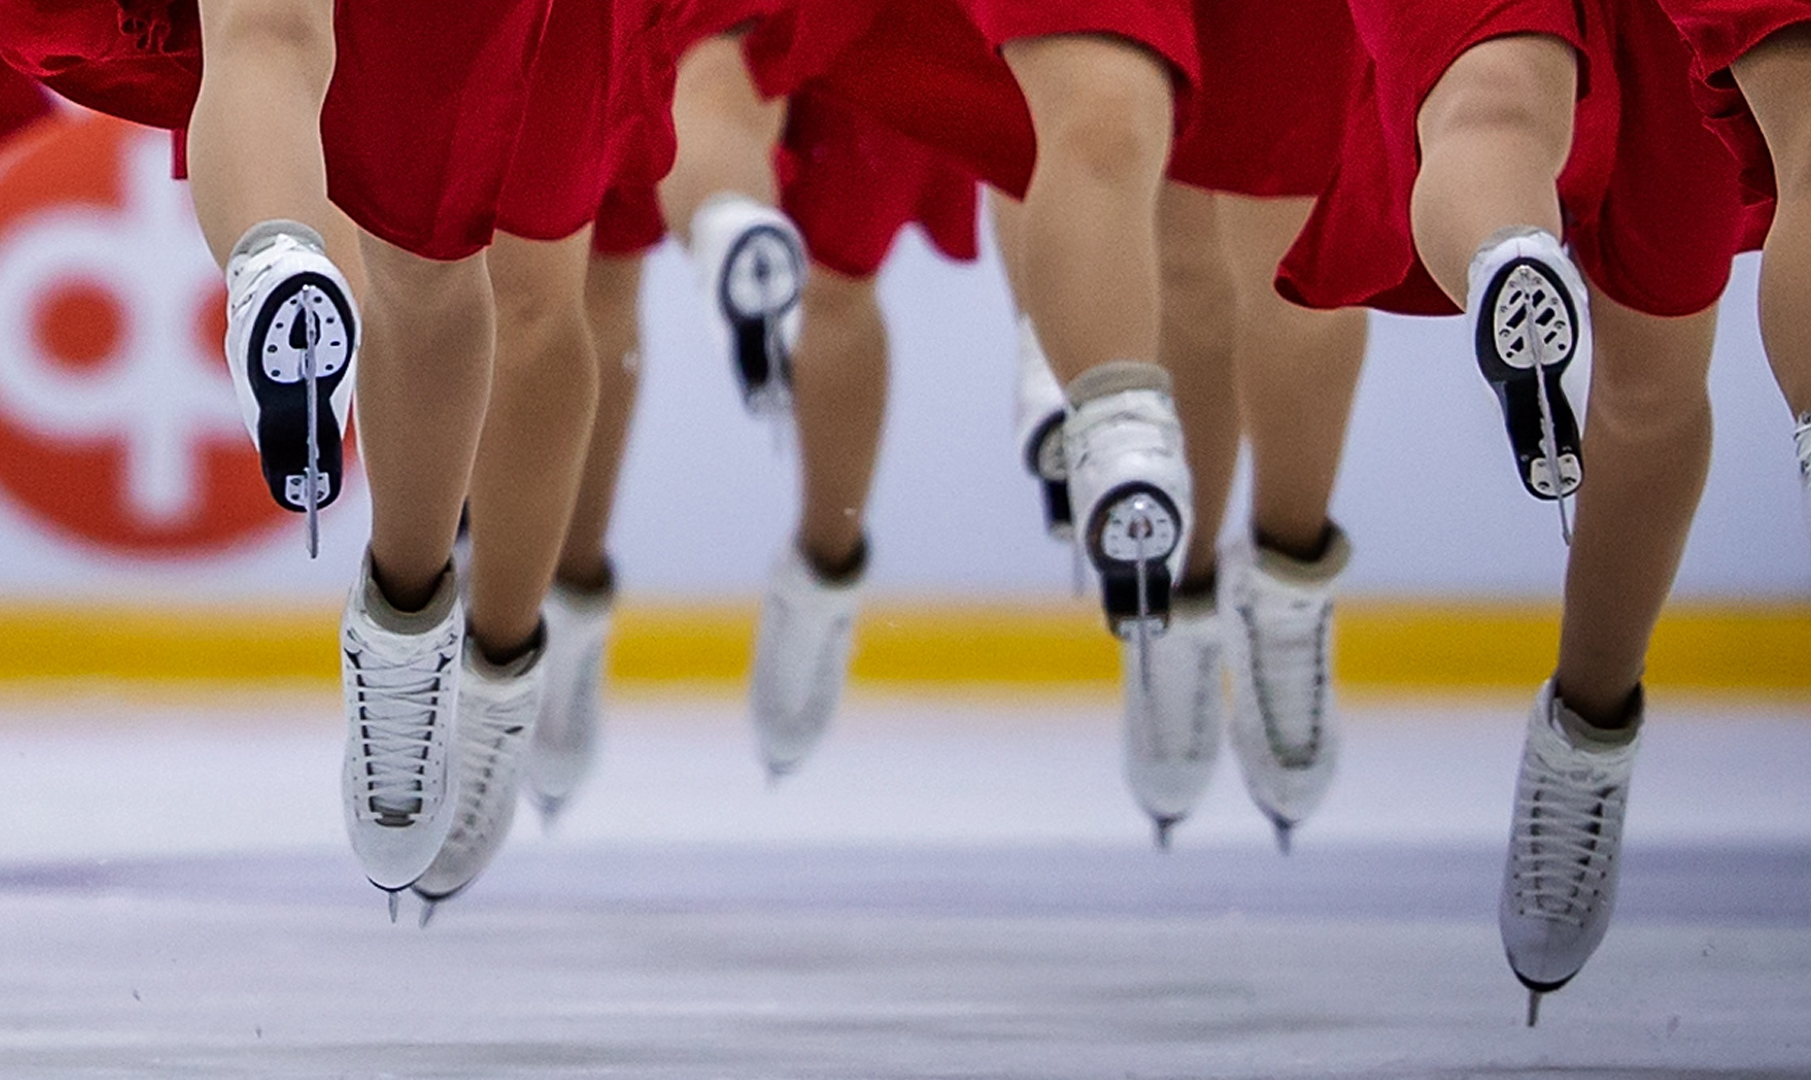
{"points": [[118, 422]]}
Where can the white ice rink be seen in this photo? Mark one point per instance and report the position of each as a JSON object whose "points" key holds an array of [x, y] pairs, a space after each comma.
{"points": [[953, 888]]}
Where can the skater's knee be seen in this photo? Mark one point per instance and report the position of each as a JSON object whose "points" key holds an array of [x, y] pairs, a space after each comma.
{"points": [[1518, 93], [839, 297], [290, 33], [434, 299], [1100, 106], [1650, 378], [540, 286]]}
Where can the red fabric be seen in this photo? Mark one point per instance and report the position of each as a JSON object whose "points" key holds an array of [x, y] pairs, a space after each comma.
{"points": [[799, 40], [924, 69], [1260, 124], [22, 102], [1166, 27], [1650, 197], [691, 21], [849, 183], [1718, 33], [932, 69], [137, 60], [628, 222], [852, 184], [423, 116], [599, 112]]}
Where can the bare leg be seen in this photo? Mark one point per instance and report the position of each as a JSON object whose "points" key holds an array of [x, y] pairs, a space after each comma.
{"points": [[1008, 216], [1101, 108], [1647, 434], [1776, 79], [254, 141], [1196, 345], [726, 133], [1297, 372], [423, 378], [1495, 132], [542, 404], [839, 402], [612, 294]]}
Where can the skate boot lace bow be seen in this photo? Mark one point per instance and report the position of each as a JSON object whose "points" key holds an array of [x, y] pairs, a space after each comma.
{"points": [[1561, 866], [398, 700]]}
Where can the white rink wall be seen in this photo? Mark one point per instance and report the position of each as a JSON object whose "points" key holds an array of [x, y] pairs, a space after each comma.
{"points": [[1428, 491]]}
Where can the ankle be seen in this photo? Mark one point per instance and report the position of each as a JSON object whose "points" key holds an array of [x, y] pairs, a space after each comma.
{"points": [[409, 596], [1617, 713], [508, 656], [590, 577], [1304, 548], [836, 564]]}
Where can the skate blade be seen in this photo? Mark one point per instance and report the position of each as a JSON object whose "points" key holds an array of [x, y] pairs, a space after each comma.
{"points": [[1130, 545], [1534, 1007], [311, 483], [1285, 834], [1161, 827], [428, 907], [549, 809], [392, 901]]}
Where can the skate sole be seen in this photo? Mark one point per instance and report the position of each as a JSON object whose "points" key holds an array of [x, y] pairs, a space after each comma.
{"points": [[763, 280], [274, 366], [1527, 308], [1131, 535]]}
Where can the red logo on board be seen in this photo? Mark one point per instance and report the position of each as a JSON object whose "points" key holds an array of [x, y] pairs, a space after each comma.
{"points": [[118, 422]]}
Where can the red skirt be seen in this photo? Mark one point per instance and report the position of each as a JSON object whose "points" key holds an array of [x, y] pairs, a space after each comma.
{"points": [[424, 115], [1651, 202], [22, 102], [852, 184], [1719, 32], [139, 60], [1166, 27], [849, 184], [932, 69], [1257, 126], [691, 21], [599, 113], [628, 222]]}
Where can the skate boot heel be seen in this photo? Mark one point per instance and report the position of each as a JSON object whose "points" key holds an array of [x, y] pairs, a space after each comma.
{"points": [[291, 342], [295, 489], [1135, 529], [752, 263]]}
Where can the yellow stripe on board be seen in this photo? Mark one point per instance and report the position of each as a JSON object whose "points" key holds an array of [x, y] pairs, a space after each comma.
{"points": [[1382, 645]]}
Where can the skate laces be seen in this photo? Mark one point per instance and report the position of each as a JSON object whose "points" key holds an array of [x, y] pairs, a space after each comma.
{"points": [[491, 731], [1567, 828], [1157, 741], [565, 729], [1802, 437], [1288, 651], [400, 698]]}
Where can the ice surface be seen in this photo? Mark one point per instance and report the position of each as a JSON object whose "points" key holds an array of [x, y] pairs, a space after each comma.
{"points": [[952, 888]]}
